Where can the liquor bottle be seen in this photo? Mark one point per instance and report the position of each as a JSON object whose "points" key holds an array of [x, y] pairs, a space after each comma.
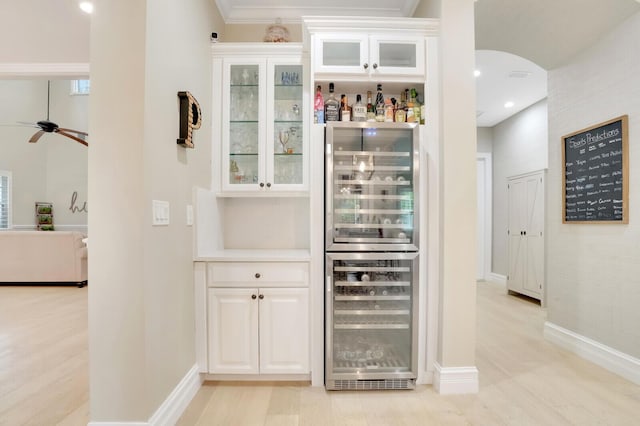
{"points": [[410, 110], [423, 112], [345, 110], [400, 114], [416, 106], [388, 110], [371, 110], [318, 106], [359, 110], [331, 106], [379, 104], [406, 102]]}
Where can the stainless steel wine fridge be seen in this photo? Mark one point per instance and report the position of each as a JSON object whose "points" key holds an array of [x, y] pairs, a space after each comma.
{"points": [[372, 251]]}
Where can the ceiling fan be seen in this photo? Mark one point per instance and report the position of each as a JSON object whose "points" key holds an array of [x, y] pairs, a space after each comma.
{"points": [[47, 126]]}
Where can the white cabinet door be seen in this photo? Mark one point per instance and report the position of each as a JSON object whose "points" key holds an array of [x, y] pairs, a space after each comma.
{"points": [[397, 56], [284, 330], [341, 53], [233, 330], [243, 117], [264, 142]]}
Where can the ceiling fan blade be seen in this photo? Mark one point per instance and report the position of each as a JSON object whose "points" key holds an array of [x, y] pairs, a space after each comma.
{"points": [[25, 124], [73, 131], [82, 141], [37, 135]]}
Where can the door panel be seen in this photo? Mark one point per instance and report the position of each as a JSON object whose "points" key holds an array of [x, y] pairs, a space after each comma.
{"points": [[284, 330], [233, 331]]}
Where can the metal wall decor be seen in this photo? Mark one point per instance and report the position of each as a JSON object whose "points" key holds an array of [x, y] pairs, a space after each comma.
{"points": [[190, 118]]}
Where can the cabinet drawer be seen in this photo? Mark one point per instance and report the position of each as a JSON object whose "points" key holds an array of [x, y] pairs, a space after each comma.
{"points": [[258, 274]]}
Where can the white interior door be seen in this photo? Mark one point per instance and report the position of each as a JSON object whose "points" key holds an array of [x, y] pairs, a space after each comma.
{"points": [[526, 234], [534, 234], [517, 251]]}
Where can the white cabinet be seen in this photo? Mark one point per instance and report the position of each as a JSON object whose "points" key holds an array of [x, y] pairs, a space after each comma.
{"points": [[258, 330], [368, 50], [526, 235], [262, 112], [369, 56]]}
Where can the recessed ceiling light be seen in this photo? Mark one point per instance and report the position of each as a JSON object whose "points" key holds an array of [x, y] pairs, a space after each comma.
{"points": [[86, 6], [476, 73], [509, 104]]}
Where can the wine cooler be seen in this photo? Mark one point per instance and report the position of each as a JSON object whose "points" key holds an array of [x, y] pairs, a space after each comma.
{"points": [[371, 255]]}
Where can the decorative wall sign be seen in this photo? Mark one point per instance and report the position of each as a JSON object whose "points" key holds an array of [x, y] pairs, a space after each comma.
{"points": [[596, 174], [74, 204], [190, 118]]}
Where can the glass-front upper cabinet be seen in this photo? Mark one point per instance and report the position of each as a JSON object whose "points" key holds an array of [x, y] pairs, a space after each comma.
{"points": [[369, 55], [263, 133]]}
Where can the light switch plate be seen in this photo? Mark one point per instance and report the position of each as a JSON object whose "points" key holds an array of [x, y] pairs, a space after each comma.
{"points": [[189, 215], [160, 213]]}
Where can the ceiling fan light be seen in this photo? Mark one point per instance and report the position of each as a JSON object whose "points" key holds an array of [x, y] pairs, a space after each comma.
{"points": [[86, 6]]}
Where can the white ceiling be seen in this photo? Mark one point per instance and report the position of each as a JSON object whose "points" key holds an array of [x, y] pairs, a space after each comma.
{"points": [[506, 77], [268, 11]]}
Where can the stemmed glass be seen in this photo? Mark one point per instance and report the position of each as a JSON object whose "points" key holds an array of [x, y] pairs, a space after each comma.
{"points": [[284, 139]]}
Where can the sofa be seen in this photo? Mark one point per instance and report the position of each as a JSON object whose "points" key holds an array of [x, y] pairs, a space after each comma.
{"points": [[43, 257]]}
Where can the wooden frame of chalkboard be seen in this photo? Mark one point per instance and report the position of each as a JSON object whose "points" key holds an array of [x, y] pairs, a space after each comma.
{"points": [[595, 177]]}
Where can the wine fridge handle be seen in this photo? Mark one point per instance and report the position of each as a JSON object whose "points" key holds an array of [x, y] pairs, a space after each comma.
{"points": [[328, 284]]}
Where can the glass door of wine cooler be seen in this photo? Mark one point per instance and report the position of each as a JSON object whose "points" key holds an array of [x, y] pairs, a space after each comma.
{"points": [[371, 320], [372, 186]]}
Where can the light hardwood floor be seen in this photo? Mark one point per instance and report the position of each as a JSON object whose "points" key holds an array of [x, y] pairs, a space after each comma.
{"points": [[524, 380], [43, 356]]}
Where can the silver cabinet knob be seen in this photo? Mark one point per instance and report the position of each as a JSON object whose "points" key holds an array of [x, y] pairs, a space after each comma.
{"points": [[375, 66], [366, 66], [261, 297], [257, 275], [261, 184], [253, 296], [268, 184]]}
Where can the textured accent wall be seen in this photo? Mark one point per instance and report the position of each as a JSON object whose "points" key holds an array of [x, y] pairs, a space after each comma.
{"points": [[593, 275]]}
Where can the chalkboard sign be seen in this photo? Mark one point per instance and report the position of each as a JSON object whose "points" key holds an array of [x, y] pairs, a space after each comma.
{"points": [[596, 174]]}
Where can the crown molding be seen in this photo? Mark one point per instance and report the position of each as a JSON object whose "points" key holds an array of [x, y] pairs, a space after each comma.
{"points": [[44, 69]]}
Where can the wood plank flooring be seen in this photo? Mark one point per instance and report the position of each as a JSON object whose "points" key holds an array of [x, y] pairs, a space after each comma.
{"points": [[524, 380], [44, 375]]}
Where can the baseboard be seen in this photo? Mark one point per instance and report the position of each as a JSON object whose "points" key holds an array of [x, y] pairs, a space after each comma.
{"points": [[497, 278], [455, 380], [606, 357], [172, 408]]}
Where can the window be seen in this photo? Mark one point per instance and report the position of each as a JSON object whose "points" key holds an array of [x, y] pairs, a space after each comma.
{"points": [[80, 87], [5, 200]]}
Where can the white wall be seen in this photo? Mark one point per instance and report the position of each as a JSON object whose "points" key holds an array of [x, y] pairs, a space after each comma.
{"points": [[593, 275], [484, 137], [52, 169], [141, 302], [519, 146], [49, 31]]}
